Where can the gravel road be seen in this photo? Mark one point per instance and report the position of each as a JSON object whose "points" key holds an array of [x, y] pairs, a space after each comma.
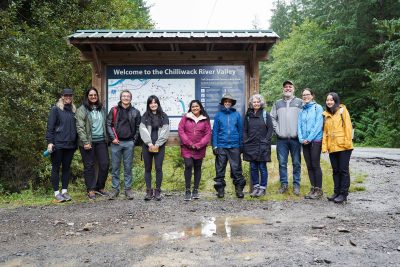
{"points": [[211, 232]]}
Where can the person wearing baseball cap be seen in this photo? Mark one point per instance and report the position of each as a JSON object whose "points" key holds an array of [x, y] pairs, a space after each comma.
{"points": [[61, 139], [227, 142], [284, 116]]}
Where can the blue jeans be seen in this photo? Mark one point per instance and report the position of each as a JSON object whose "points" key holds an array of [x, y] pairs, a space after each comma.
{"points": [[256, 168], [124, 150], [283, 147]]}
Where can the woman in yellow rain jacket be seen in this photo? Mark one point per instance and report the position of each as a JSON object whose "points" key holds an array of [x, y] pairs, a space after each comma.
{"points": [[337, 141]]}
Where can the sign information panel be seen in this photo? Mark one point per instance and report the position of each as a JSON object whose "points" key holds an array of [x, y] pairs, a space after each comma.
{"points": [[176, 86]]}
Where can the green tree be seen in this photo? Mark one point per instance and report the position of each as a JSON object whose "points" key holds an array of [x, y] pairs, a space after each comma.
{"points": [[36, 63], [300, 58]]}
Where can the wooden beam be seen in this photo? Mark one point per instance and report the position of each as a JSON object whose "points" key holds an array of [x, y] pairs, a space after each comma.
{"points": [[133, 57], [96, 61]]}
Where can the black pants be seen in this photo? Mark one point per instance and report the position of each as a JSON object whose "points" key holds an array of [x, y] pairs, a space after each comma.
{"points": [[148, 164], [221, 160], [99, 154], [340, 168], [312, 156], [190, 164], [59, 157]]}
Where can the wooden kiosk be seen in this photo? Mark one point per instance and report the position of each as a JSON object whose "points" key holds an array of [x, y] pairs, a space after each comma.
{"points": [[206, 64]]}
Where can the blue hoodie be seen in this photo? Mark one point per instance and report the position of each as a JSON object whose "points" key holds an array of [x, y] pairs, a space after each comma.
{"points": [[227, 130], [310, 122]]}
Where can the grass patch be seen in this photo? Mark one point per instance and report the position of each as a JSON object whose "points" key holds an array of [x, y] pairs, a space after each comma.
{"points": [[173, 180]]}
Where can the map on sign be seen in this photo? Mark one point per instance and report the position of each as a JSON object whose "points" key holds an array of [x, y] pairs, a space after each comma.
{"points": [[174, 94]]}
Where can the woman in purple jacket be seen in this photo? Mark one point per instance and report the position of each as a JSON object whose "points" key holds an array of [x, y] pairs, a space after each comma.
{"points": [[195, 133]]}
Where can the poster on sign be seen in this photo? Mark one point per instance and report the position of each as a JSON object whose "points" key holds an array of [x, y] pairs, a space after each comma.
{"points": [[176, 86]]}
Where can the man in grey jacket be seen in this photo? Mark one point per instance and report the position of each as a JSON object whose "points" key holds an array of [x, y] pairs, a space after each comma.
{"points": [[284, 116]]}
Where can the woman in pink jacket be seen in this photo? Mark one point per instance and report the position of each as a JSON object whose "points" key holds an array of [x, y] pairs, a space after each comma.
{"points": [[195, 133]]}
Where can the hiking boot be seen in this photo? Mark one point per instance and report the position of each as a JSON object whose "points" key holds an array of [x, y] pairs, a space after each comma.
{"points": [[129, 194], [149, 194], [309, 194], [261, 192], [220, 190], [284, 188], [113, 194], [340, 199], [239, 192], [66, 196], [101, 193], [195, 194], [59, 198], [296, 190], [92, 195], [188, 195], [331, 198], [255, 191], [318, 193], [157, 194]]}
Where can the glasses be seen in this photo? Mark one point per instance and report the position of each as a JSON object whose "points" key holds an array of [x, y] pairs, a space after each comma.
{"points": [[306, 95]]}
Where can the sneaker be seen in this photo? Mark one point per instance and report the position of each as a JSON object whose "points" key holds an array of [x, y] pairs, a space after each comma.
{"points": [[340, 199], [296, 190], [283, 189], [261, 192], [129, 194], [149, 194], [195, 194], [331, 198], [92, 195], [66, 196], [113, 194], [59, 198], [255, 191], [188, 195], [101, 193]]}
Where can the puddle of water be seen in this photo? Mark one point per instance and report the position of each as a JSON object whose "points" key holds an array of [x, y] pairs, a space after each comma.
{"points": [[215, 226]]}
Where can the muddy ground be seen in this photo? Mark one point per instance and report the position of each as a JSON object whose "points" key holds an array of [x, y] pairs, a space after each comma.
{"points": [[211, 232]]}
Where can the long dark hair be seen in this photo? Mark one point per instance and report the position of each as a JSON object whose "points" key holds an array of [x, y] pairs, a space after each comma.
{"points": [[159, 110], [336, 99], [155, 120], [86, 103], [202, 110]]}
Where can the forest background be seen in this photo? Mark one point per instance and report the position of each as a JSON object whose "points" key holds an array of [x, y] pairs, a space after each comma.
{"points": [[351, 47]]}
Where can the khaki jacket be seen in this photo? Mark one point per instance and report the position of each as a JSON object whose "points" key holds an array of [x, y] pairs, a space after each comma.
{"points": [[338, 131]]}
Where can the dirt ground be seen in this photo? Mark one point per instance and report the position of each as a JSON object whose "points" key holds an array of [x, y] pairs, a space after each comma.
{"points": [[212, 232]]}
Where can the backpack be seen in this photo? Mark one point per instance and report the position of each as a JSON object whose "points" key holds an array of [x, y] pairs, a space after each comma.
{"points": [[352, 123], [341, 116]]}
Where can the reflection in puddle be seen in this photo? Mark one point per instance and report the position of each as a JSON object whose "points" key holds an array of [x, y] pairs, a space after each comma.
{"points": [[215, 226]]}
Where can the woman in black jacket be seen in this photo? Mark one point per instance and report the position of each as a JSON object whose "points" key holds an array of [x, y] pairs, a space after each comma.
{"points": [[61, 139], [257, 134]]}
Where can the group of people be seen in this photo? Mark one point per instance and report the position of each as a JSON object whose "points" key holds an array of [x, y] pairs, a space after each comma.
{"points": [[303, 124], [297, 123], [92, 129]]}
